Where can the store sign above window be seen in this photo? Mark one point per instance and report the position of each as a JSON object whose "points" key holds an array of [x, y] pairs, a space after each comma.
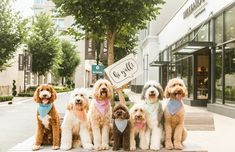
{"points": [[196, 6]]}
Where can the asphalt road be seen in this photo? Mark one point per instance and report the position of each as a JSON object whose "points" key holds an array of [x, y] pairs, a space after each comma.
{"points": [[18, 121]]}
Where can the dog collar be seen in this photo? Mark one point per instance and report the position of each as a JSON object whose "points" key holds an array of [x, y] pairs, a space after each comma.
{"points": [[121, 124], [102, 106], [173, 106], [44, 109]]}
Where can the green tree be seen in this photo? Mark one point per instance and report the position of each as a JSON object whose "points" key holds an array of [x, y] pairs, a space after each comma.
{"points": [[70, 60], [11, 33], [44, 45], [110, 16]]}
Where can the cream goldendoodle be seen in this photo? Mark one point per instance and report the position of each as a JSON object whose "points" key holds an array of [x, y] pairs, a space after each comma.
{"points": [[153, 94], [75, 126], [174, 114], [139, 118], [100, 113]]}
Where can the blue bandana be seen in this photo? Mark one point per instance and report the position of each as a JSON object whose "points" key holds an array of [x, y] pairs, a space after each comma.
{"points": [[121, 124], [44, 109], [174, 106]]}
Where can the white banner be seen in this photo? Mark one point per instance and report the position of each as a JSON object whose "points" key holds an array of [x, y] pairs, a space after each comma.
{"points": [[123, 71]]}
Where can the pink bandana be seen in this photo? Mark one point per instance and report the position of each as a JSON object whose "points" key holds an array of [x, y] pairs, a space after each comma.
{"points": [[139, 125], [102, 106]]}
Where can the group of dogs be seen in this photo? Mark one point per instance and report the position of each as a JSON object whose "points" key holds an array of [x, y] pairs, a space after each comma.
{"points": [[153, 122]]}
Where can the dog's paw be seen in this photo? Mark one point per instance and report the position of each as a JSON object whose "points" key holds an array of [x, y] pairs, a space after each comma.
{"points": [[35, 147], [105, 146], [169, 145], [88, 146], [155, 147], [133, 148], [65, 146], [55, 147], [77, 144], [98, 147], [178, 146]]}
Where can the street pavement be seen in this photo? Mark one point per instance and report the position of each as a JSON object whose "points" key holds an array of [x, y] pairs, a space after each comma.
{"points": [[18, 120], [21, 129]]}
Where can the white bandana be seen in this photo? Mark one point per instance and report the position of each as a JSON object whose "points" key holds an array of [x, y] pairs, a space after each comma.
{"points": [[120, 124]]}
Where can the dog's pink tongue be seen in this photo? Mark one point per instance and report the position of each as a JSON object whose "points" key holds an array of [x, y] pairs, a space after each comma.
{"points": [[178, 96], [45, 100], [139, 125]]}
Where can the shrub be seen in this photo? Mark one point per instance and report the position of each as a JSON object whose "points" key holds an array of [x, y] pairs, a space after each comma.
{"points": [[14, 88], [25, 94], [6, 98]]}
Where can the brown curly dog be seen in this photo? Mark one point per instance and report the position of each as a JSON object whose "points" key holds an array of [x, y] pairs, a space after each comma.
{"points": [[48, 121], [174, 114], [121, 128]]}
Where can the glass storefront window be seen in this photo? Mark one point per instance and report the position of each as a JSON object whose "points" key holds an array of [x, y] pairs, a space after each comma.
{"points": [[229, 71], [229, 24], [202, 33], [218, 75], [219, 29]]}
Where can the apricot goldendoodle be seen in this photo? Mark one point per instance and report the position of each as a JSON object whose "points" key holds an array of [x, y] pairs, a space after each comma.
{"points": [[100, 113], [75, 126], [174, 114], [48, 122]]}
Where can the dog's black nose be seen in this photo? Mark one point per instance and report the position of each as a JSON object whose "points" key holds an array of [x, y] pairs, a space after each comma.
{"points": [[138, 116], [44, 95], [152, 92], [104, 89], [78, 101]]}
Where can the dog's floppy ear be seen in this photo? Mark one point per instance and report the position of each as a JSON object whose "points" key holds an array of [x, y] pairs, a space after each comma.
{"points": [[127, 114], [160, 116], [161, 93], [143, 93], [70, 106], [36, 95], [53, 94], [167, 94]]}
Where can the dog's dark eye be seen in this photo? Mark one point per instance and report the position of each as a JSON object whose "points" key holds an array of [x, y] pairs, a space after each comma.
{"points": [[48, 89], [100, 85], [141, 110], [136, 110], [180, 85], [41, 89], [76, 95], [106, 85], [81, 95], [174, 85]]}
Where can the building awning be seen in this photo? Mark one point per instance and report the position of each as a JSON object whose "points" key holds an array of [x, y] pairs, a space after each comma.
{"points": [[158, 63], [192, 47]]}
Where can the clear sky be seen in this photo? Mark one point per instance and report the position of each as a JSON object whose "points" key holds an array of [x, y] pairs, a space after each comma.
{"points": [[24, 7]]}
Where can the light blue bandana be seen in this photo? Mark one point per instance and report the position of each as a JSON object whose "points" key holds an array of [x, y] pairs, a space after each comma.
{"points": [[174, 106], [44, 109], [121, 124]]}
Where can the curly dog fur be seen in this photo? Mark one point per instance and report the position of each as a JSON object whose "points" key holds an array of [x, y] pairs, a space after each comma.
{"points": [[48, 127], [121, 138], [174, 123]]}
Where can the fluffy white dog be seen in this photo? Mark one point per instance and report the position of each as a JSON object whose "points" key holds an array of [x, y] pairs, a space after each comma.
{"points": [[139, 118], [75, 126], [100, 112], [152, 94]]}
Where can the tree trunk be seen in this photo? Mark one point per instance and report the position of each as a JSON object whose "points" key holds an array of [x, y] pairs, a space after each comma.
{"points": [[38, 78], [110, 40]]}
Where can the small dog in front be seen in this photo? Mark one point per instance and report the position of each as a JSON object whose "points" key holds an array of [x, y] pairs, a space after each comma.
{"points": [[121, 128], [75, 126], [174, 114], [48, 122]]}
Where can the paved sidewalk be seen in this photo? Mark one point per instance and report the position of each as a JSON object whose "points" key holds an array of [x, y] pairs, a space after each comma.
{"points": [[219, 140]]}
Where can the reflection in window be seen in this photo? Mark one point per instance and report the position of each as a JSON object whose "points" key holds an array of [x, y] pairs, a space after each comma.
{"points": [[229, 70], [202, 33], [218, 29], [218, 75], [230, 24]]}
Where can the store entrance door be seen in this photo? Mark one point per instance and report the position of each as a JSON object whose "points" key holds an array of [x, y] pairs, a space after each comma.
{"points": [[202, 75]]}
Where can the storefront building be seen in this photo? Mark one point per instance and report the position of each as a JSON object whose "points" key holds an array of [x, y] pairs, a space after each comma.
{"points": [[198, 45]]}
